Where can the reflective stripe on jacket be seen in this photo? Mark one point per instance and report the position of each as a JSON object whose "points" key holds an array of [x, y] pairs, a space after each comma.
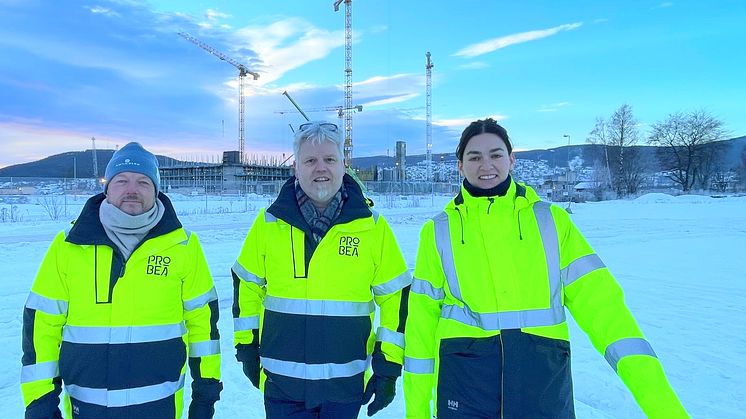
{"points": [[119, 334], [315, 304], [486, 266]]}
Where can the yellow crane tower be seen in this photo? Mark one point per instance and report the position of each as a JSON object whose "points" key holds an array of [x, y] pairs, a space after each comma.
{"points": [[242, 72]]}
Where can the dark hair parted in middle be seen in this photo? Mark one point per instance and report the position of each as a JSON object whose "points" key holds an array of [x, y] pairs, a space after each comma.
{"points": [[482, 126]]}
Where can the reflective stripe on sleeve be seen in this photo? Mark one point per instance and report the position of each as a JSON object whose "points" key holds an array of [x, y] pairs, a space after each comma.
{"points": [[625, 347], [420, 286], [124, 397], [201, 300], [387, 335], [122, 334], [40, 371], [46, 305], [393, 285], [419, 366], [580, 267], [314, 371], [245, 323], [198, 349], [318, 307], [247, 276]]}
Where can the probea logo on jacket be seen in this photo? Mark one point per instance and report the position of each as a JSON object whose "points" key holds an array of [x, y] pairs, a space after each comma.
{"points": [[348, 245], [158, 265]]}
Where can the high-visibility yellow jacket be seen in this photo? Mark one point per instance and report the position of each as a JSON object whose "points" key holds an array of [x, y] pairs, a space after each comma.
{"points": [[117, 334], [313, 305], [492, 280]]}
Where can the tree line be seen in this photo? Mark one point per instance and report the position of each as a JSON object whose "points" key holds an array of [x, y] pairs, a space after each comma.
{"points": [[690, 151]]}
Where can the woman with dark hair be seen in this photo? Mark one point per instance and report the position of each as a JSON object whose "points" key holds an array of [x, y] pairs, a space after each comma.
{"points": [[486, 335]]}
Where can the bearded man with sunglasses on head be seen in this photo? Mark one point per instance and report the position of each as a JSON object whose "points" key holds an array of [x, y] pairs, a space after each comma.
{"points": [[312, 270]]}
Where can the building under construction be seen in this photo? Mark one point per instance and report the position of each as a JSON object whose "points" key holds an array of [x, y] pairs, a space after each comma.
{"points": [[230, 176]]}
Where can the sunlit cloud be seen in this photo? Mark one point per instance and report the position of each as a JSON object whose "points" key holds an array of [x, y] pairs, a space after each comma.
{"points": [[474, 65], [286, 45], [461, 123], [213, 15], [102, 11], [494, 44], [553, 107]]}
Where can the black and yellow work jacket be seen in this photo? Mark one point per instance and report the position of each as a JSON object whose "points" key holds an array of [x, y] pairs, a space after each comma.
{"points": [[311, 306], [486, 329], [118, 334]]}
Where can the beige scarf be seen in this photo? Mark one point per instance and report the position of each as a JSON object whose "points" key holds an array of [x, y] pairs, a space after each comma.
{"points": [[127, 231]]}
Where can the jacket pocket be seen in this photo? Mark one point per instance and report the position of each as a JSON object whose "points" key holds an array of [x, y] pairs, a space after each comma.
{"points": [[469, 377]]}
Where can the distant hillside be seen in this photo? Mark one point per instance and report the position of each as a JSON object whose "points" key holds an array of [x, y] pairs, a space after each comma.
{"points": [[559, 156], [80, 163], [67, 165]]}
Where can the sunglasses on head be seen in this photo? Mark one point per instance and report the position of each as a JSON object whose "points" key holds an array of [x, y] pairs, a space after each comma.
{"points": [[327, 125]]}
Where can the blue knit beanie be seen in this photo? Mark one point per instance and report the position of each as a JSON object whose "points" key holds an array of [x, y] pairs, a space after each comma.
{"points": [[133, 158]]}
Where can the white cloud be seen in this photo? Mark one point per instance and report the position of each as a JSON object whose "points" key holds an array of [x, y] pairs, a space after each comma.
{"points": [[287, 44], [461, 123], [553, 107], [664, 5], [99, 10], [213, 15], [379, 90], [474, 65], [494, 44]]}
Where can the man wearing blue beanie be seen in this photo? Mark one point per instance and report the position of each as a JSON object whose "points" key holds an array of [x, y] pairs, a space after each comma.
{"points": [[120, 303]]}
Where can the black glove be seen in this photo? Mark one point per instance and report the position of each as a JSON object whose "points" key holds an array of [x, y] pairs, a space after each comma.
{"points": [[249, 357], [205, 392], [384, 388]]}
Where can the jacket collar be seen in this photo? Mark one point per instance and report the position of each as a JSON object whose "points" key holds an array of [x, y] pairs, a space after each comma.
{"points": [[286, 207], [87, 229], [516, 192]]}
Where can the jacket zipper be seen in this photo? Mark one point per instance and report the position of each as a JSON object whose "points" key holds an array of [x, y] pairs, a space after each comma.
{"points": [[462, 224]]}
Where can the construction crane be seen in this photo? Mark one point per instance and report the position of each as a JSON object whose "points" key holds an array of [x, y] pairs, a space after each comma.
{"points": [[242, 72], [429, 115], [338, 109], [95, 159], [347, 109]]}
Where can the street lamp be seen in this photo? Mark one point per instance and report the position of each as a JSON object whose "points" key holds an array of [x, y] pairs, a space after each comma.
{"points": [[568, 150]]}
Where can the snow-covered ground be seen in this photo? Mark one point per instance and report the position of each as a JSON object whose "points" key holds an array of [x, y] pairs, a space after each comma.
{"points": [[679, 259]]}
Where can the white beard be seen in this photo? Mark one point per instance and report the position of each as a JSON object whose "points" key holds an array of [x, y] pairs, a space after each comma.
{"points": [[322, 193]]}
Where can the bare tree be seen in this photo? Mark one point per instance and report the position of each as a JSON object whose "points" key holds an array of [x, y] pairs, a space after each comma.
{"points": [[619, 135], [602, 171], [53, 206], [689, 151]]}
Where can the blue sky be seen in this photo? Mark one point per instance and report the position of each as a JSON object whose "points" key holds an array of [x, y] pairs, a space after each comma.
{"points": [[117, 70]]}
